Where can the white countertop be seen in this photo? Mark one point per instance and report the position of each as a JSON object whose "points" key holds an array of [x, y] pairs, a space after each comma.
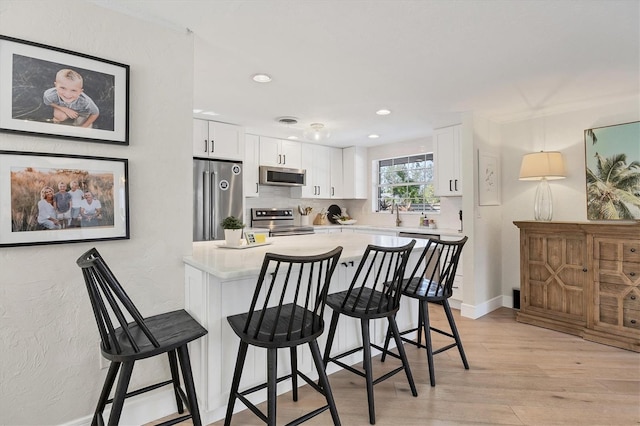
{"points": [[416, 229], [227, 263]]}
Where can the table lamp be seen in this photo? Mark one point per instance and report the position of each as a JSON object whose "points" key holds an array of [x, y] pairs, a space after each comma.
{"points": [[542, 166]]}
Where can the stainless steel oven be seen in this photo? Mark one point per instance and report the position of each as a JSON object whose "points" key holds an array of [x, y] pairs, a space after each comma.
{"points": [[278, 221]]}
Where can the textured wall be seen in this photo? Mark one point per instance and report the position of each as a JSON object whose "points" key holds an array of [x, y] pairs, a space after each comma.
{"points": [[49, 373]]}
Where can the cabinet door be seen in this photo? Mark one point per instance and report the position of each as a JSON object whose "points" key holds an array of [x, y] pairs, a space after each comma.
{"points": [[447, 151], [336, 174], [226, 141], [291, 154], [555, 275], [315, 160], [354, 173], [201, 138], [617, 286], [251, 157], [270, 152]]}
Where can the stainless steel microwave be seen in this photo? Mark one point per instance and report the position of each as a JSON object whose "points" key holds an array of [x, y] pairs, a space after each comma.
{"points": [[282, 176]]}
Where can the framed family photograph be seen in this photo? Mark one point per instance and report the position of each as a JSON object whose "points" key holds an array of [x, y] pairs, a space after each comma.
{"points": [[58, 198], [613, 172], [48, 91]]}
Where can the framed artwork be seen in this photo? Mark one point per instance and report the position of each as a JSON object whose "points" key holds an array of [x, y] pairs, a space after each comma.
{"points": [[613, 172], [488, 179], [47, 91], [57, 198]]}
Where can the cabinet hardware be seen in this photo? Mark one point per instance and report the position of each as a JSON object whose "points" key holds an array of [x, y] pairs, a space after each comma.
{"points": [[584, 269], [257, 188], [206, 145], [450, 182], [633, 298], [633, 274], [633, 250], [455, 185], [213, 145], [633, 321], [284, 159]]}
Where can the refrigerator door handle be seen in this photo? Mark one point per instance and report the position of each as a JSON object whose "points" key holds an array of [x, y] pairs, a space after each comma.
{"points": [[213, 203], [205, 203]]}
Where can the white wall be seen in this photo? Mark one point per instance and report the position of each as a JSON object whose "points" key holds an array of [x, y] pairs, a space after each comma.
{"points": [[50, 372], [561, 132]]}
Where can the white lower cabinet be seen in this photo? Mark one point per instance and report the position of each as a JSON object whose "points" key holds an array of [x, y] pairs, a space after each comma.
{"points": [[458, 281]]}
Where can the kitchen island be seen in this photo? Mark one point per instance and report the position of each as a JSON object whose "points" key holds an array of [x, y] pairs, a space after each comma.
{"points": [[220, 282]]}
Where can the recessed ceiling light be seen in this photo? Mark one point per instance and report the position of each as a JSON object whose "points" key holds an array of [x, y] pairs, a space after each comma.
{"points": [[210, 113], [383, 112], [374, 136], [196, 111], [261, 78]]}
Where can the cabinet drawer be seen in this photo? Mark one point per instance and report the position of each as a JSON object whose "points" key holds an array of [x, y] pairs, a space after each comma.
{"points": [[631, 318], [632, 301], [631, 251]]}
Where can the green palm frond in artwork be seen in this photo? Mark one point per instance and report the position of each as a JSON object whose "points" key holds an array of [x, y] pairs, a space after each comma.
{"points": [[613, 190]]}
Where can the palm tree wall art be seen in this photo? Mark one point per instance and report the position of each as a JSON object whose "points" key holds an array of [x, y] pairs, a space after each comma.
{"points": [[613, 172]]}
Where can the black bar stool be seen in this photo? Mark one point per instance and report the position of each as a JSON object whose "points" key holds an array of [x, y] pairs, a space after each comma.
{"points": [[142, 338], [368, 298], [431, 281], [286, 311]]}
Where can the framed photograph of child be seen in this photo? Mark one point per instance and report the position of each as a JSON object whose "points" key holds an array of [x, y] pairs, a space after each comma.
{"points": [[59, 198], [53, 92]]}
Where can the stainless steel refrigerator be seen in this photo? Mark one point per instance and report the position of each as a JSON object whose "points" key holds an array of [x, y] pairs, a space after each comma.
{"points": [[217, 187]]}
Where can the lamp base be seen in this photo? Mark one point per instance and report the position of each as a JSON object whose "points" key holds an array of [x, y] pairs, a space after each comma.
{"points": [[543, 205]]}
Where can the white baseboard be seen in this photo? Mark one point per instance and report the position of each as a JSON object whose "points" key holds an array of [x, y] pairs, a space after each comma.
{"points": [[138, 409], [476, 311]]}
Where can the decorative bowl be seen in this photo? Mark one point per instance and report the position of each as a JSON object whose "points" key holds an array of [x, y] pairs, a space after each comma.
{"points": [[346, 222]]}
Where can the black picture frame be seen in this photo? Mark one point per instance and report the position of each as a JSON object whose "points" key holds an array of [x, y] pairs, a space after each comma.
{"points": [[26, 177], [34, 76]]}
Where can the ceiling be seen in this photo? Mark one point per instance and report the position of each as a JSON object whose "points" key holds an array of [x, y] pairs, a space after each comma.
{"points": [[339, 61]]}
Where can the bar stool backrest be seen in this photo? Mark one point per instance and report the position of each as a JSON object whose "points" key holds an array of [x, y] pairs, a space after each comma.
{"points": [[436, 267], [368, 293], [107, 296], [297, 286]]}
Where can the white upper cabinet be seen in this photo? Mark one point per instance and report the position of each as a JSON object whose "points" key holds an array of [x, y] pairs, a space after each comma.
{"points": [[280, 153], [316, 160], [336, 174], [354, 169], [218, 140], [251, 161], [447, 158]]}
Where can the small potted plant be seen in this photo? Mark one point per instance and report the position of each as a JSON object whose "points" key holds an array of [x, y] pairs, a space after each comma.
{"points": [[232, 230]]}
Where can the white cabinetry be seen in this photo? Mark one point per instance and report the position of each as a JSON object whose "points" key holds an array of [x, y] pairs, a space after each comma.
{"points": [[316, 160], [280, 153], [336, 174], [447, 156], [217, 140], [251, 161], [354, 169]]}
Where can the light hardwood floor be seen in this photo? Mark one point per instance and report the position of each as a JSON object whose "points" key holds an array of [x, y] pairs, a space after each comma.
{"points": [[519, 375]]}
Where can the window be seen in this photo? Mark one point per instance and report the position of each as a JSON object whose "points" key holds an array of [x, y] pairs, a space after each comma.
{"points": [[407, 181]]}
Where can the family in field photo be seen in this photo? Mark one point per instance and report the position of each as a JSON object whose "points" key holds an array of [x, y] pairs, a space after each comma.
{"points": [[52, 199]]}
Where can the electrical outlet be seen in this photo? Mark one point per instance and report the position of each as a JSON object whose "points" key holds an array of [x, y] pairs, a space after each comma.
{"points": [[104, 363]]}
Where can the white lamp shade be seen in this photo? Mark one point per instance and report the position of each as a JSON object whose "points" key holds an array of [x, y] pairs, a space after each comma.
{"points": [[539, 165]]}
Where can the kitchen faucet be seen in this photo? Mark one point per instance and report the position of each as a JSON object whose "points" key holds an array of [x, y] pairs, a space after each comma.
{"points": [[397, 207]]}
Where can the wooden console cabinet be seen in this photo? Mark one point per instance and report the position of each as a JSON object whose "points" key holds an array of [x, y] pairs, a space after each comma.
{"points": [[582, 278]]}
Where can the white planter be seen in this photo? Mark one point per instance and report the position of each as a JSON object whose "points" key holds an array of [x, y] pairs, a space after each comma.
{"points": [[233, 237]]}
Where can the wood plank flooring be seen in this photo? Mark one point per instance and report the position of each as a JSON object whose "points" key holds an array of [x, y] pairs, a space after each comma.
{"points": [[519, 375]]}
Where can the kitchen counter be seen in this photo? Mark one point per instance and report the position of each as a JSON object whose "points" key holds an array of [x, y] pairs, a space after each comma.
{"points": [[220, 282], [416, 229], [210, 257]]}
